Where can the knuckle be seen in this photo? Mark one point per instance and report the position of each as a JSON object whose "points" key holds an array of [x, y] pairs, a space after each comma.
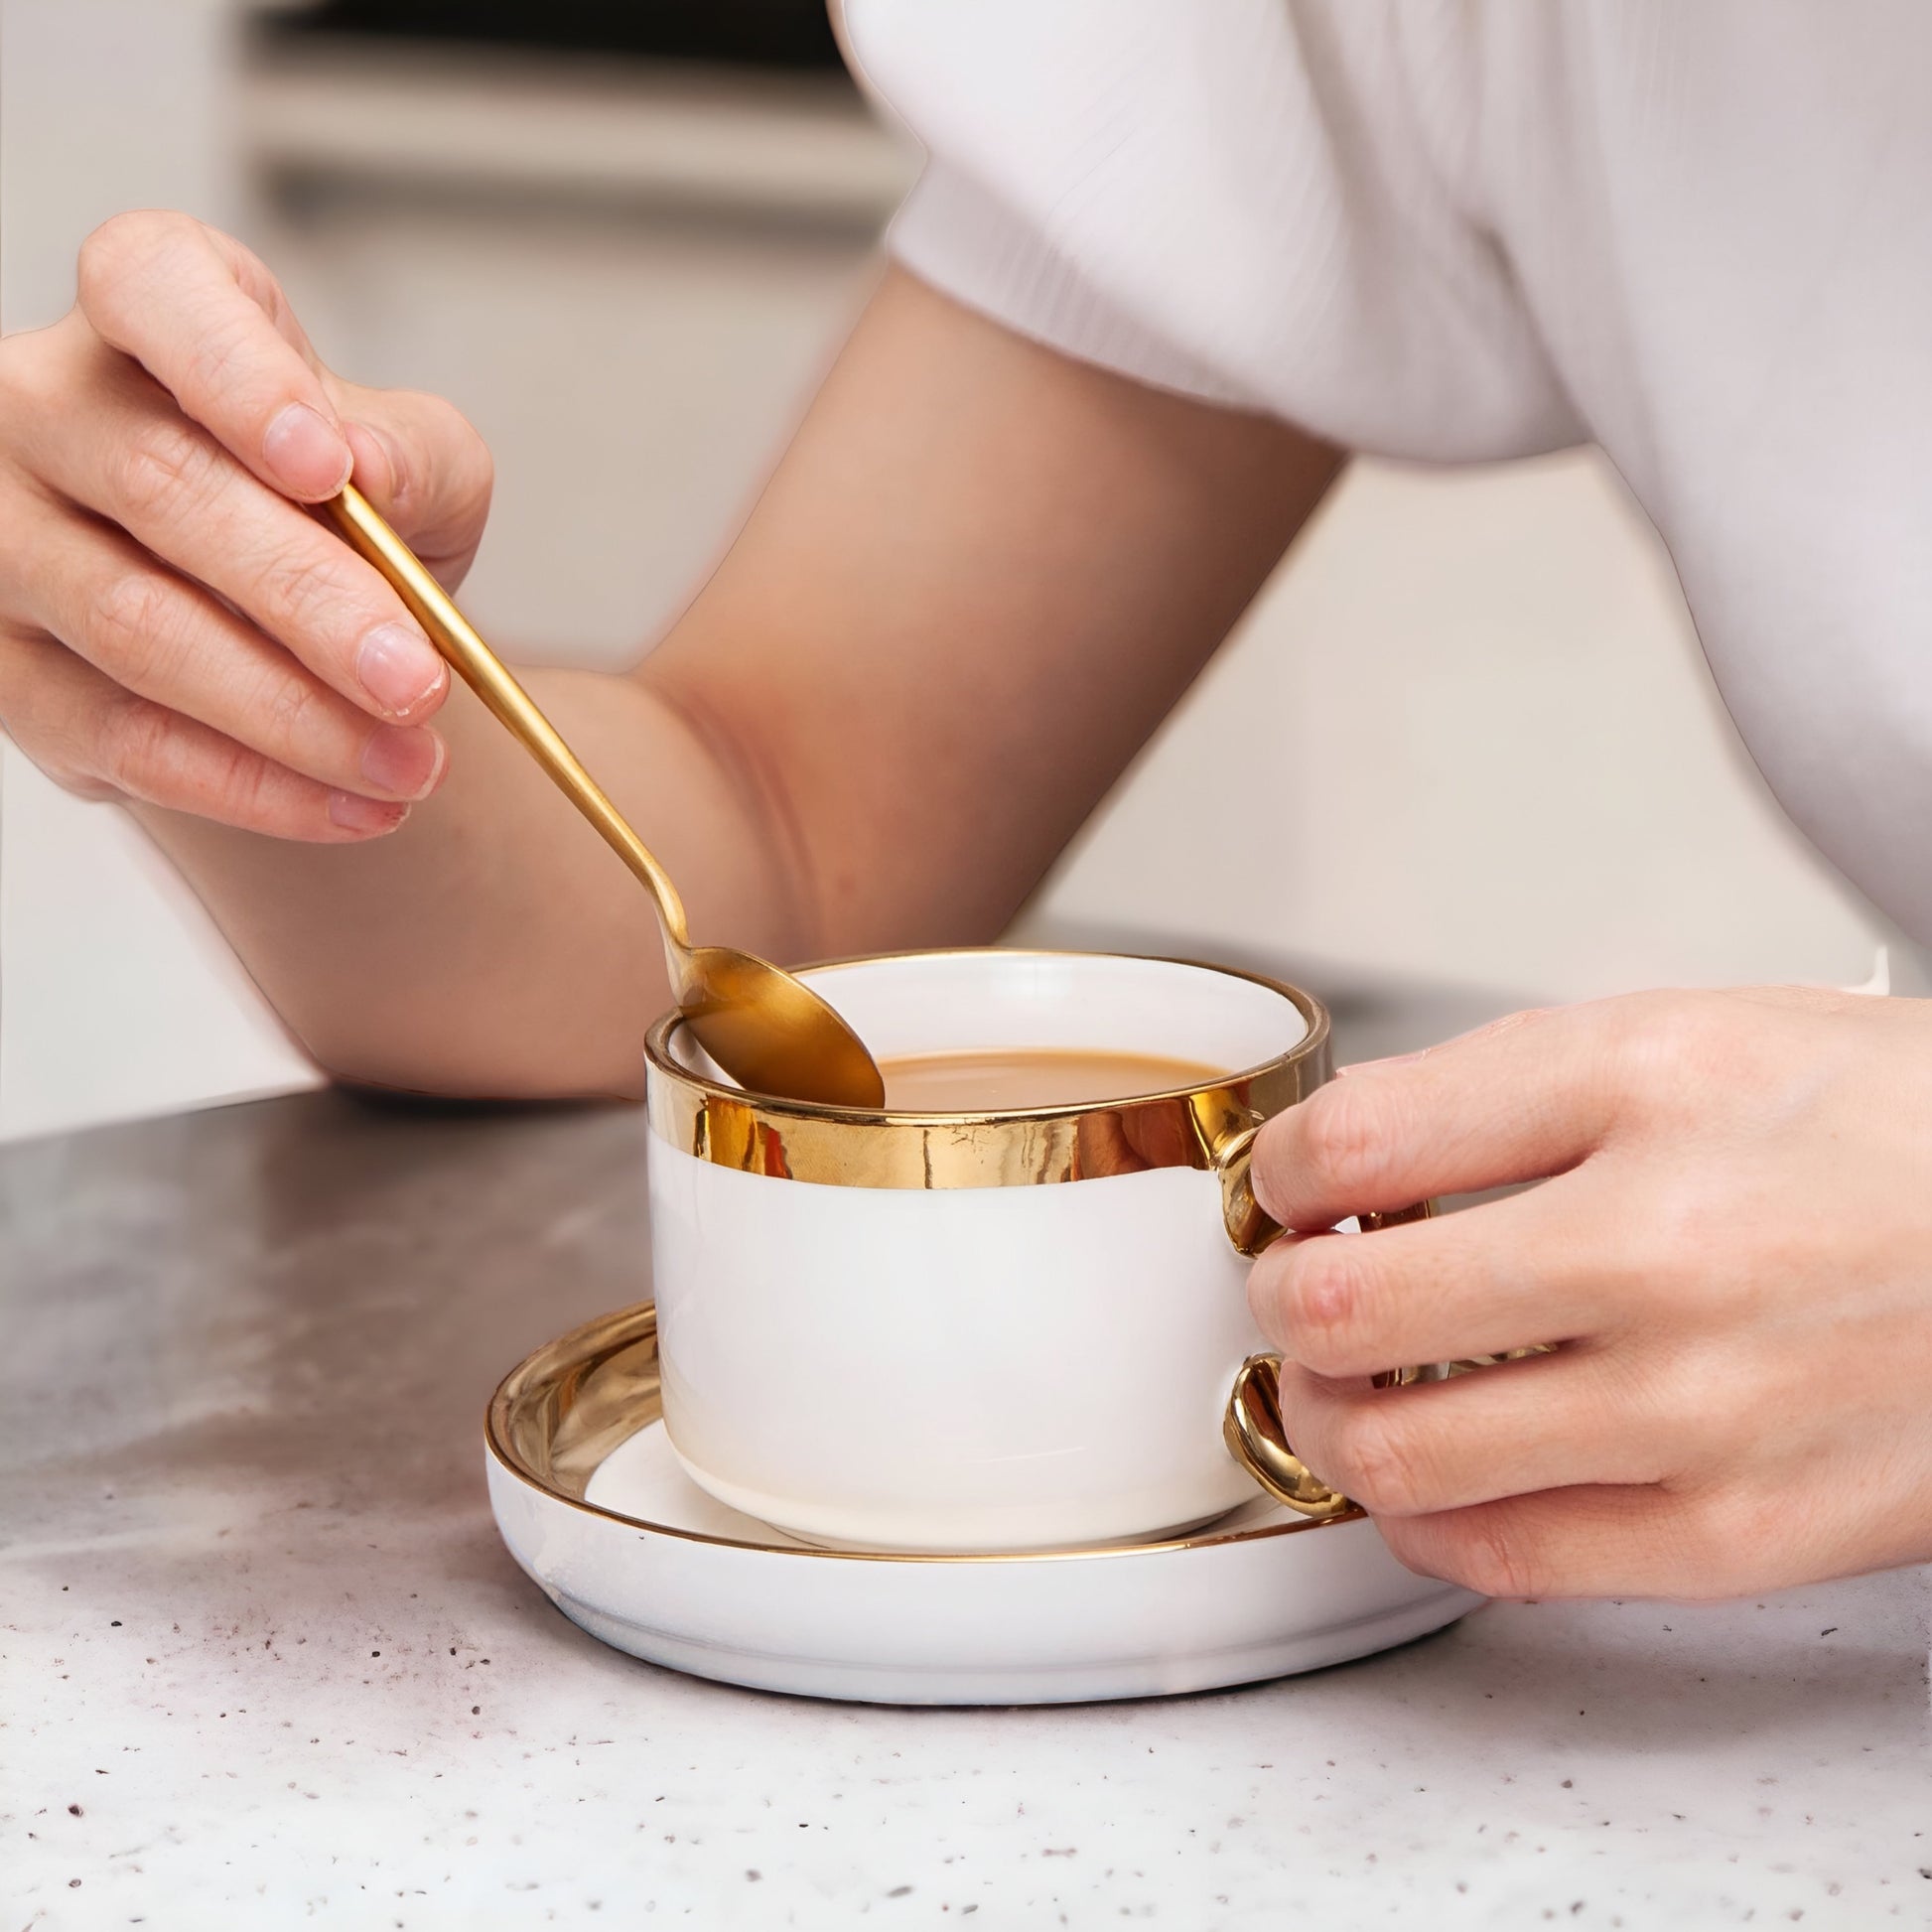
{"points": [[1722, 1418], [1671, 1247], [1379, 1461], [1665, 1043], [134, 747], [166, 468], [1525, 1019], [214, 777], [1670, 1021], [222, 359], [1490, 1555], [298, 589], [1345, 1135], [1716, 1539], [1708, 1411], [132, 630], [123, 241], [1323, 1290], [237, 782], [114, 240], [290, 710]]}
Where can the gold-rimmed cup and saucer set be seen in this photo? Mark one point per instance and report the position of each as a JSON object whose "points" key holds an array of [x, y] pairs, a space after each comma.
{"points": [[938, 1406], [956, 1408]]}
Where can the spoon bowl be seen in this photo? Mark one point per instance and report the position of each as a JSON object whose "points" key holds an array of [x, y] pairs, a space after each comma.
{"points": [[773, 1033], [766, 1029]]}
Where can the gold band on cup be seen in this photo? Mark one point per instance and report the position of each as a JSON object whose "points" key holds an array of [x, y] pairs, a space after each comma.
{"points": [[1013, 1147]]}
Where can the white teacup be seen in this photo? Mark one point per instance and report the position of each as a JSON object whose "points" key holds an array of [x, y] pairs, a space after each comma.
{"points": [[968, 1332]]}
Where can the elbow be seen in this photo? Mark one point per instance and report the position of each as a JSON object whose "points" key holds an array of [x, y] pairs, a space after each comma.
{"points": [[482, 1070]]}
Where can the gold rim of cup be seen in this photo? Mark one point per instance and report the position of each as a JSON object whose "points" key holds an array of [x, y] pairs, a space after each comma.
{"points": [[999, 1147]]}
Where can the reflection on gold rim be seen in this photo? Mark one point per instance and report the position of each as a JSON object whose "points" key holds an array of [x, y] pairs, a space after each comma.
{"points": [[1017, 1147], [558, 1414]]}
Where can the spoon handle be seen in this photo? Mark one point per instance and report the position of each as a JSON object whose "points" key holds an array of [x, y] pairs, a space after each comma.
{"points": [[365, 531]]}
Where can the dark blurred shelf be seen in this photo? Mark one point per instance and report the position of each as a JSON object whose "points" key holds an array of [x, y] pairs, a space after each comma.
{"points": [[331, 112], [785, 33]]}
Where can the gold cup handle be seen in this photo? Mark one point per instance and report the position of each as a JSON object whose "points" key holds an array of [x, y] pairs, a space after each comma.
{"points": [[1251, 1425]]}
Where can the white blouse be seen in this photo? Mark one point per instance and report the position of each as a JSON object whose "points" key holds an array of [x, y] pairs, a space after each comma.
{"points": [[1698, 232]]}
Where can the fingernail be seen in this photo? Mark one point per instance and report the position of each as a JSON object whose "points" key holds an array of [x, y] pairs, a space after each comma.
{"points": [[311, 459], [399, 668], [357, 814], [404, 760], [1394, 1060]]}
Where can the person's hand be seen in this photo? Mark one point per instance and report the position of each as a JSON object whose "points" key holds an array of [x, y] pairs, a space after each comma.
{"points": [[1734, 1253], [174, 628]]}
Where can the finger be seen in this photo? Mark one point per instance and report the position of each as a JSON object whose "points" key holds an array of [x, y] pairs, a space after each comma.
{"points": [[1523, 1099], [210, 324], [1535, 1267], [1594, 1541], [91, 735], [178, 494], [171, 641], [1543, 1423], [165, 639], [424, 467]]}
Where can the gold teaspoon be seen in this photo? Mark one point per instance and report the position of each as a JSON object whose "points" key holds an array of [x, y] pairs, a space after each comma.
{"points": [[769, 1031]]}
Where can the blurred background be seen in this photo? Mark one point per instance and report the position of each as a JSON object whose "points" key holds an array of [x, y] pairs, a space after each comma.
{"points": [[1464, 743]]}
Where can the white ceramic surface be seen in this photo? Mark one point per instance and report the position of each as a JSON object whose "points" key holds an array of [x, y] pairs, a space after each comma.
{"points": [[655, 1566], [988, 1368]]}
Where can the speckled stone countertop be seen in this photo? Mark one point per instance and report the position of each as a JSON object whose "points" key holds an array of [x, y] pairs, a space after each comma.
{"points": [[264, 1662]]}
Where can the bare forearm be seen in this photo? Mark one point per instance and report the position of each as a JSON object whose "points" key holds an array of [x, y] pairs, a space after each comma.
{"points": [[493, 945]]}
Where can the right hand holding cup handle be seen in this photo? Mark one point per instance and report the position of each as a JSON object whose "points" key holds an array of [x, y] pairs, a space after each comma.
{"points": [[1252, 1425]]}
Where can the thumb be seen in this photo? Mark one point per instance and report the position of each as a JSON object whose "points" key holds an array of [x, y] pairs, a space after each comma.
{"points": [[421, 462]]}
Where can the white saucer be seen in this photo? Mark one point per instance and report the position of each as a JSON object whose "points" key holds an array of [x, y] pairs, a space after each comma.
{"points": [[596, 1509]]}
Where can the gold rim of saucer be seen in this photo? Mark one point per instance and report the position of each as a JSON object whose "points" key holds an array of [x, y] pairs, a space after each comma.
{"points": [[800, 1140], [565, 1408]]}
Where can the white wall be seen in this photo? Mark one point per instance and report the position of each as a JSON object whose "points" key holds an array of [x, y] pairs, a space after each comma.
{"points": [[1470, 735], [116, 996]]}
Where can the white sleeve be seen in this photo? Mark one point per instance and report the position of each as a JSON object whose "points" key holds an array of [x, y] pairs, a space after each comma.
{"points": [[1270, 203]]}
